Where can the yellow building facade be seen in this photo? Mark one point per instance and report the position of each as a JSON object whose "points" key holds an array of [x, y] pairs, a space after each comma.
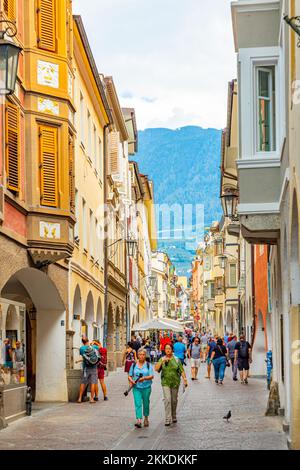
{"points": [[86, 268]]}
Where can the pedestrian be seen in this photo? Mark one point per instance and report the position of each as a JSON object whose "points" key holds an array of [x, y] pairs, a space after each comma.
{"points": [[231, 349], [180, 349], [19, 356], [226, 338], [8, 354], [194, 354], [243, 358], [135, 344], [90, 359], [171, 372], [129, 357], [164, 341], [101, 368], [143, 372], [219, 360], [210, 347], [204, 341]]}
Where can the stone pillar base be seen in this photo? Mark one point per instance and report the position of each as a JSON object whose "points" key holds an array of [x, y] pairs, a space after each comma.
{"points": [[273, 401]]}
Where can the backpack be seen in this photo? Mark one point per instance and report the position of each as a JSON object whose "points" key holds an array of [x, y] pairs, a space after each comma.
{"points": [[134, 366], [243, 350], [91, 356]]}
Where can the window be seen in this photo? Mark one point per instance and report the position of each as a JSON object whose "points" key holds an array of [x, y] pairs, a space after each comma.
{"points": [[266, 109], [218, 248], [100, 162], [46, 25], [9, 7], [71, 174], [48, 153], [89, 149], [95, 149], [92, 252], [232, 275], [76, 231], [84, 223], [12, 143], [82, 133]]}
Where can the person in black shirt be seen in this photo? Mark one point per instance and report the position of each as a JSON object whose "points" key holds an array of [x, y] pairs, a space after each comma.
{"points": [[219, 360], [243, 358]]}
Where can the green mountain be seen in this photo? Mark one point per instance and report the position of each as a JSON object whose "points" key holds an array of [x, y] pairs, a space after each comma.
{"points": [[185, 167]]}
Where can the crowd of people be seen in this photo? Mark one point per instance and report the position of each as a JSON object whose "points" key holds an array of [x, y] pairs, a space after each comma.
{"points": [[168, 355]]}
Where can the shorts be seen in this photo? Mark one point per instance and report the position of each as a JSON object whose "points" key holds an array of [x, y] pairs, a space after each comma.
{"points": [[243, 364], [89, 376], [203, 347], [195, 363], [101, 373]]}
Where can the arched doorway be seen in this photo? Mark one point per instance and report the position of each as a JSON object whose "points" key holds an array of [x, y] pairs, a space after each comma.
{"points": [[259, 348], [46, 331], [89, 316], [98, 328], [77, 324]]}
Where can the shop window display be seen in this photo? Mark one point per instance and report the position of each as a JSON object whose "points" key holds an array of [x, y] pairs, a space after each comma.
{"points": [[12, 345]]}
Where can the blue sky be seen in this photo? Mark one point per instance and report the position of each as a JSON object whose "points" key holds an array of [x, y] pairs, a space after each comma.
{"points": [[171, 59]]}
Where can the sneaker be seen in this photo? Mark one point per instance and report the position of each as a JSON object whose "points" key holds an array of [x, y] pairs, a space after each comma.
{"points": [[105, 399], [217, 382], [221, 382], [138, 425], [96, 399], [246, 381], [234, 379], [167, 424], [174, 420]]}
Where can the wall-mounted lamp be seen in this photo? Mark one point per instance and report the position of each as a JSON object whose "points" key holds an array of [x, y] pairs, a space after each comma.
{"points": [[9, 59]]}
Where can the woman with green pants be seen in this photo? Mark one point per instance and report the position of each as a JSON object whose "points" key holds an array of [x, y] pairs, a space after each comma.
{"points": [[140, 376]]}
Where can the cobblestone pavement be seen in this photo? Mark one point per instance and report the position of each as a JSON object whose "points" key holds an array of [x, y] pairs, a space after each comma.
{"points": [[109, 425]]}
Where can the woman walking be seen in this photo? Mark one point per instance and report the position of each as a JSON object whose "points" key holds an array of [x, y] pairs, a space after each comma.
{"points": [[219, 360], [129, 357], [171, 372], [140, 377]]}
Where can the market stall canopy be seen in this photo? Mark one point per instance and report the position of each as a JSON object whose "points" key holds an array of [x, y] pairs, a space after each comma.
{"points": [[159, 324]]}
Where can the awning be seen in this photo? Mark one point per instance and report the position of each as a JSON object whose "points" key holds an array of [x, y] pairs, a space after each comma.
{"points": [[162, 324]]}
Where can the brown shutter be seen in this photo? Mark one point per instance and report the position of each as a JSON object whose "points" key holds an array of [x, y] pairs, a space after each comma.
{"points": [[114, 153], [46, 25], [10, 8], [12, 141], [48, 165], [71, 174]]}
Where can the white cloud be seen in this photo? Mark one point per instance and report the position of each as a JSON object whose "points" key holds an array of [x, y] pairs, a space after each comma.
{"points": [[170, 59]]}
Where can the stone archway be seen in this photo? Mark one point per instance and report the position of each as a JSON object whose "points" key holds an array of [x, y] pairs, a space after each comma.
{"points": [[89, 316], [38, 292], [258, 366], [295, 324], [77, 324], [98, 329]]}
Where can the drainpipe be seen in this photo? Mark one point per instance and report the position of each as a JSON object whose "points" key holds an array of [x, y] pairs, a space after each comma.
{"points": [[253, 295], [105, 157]]}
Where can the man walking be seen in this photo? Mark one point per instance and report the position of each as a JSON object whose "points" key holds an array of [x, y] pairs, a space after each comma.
{"points": [[180, 349], [204, 341], [194, 353], [243, 358], [163, 342], [231, 350]]}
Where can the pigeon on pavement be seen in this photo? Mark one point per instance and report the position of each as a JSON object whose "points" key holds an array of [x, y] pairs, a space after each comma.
{"points": [[228, 416]]}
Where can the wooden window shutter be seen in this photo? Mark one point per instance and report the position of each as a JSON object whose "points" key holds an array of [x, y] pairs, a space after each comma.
{"points": [[114, 153], [10, 8], [46, 25], [49, 165], [71, 174], [12, 142]]}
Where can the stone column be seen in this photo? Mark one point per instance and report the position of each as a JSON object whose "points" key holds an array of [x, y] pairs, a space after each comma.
{"points": [[295, 377]]}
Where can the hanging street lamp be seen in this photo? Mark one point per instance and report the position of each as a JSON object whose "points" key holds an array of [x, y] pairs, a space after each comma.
{"points": [[229, 203], [131, 247], [9, 59]]}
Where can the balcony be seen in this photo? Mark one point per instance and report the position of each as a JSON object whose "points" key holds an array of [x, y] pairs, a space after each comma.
{"points": [[256, 27], [50, 238], [260, 188]]}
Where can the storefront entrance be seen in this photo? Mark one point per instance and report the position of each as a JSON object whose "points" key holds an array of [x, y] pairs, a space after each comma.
{"points": [[43, 334]]}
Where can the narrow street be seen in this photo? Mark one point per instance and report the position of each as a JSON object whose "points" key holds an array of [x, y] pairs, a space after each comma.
{"points": [[109, 425]]}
